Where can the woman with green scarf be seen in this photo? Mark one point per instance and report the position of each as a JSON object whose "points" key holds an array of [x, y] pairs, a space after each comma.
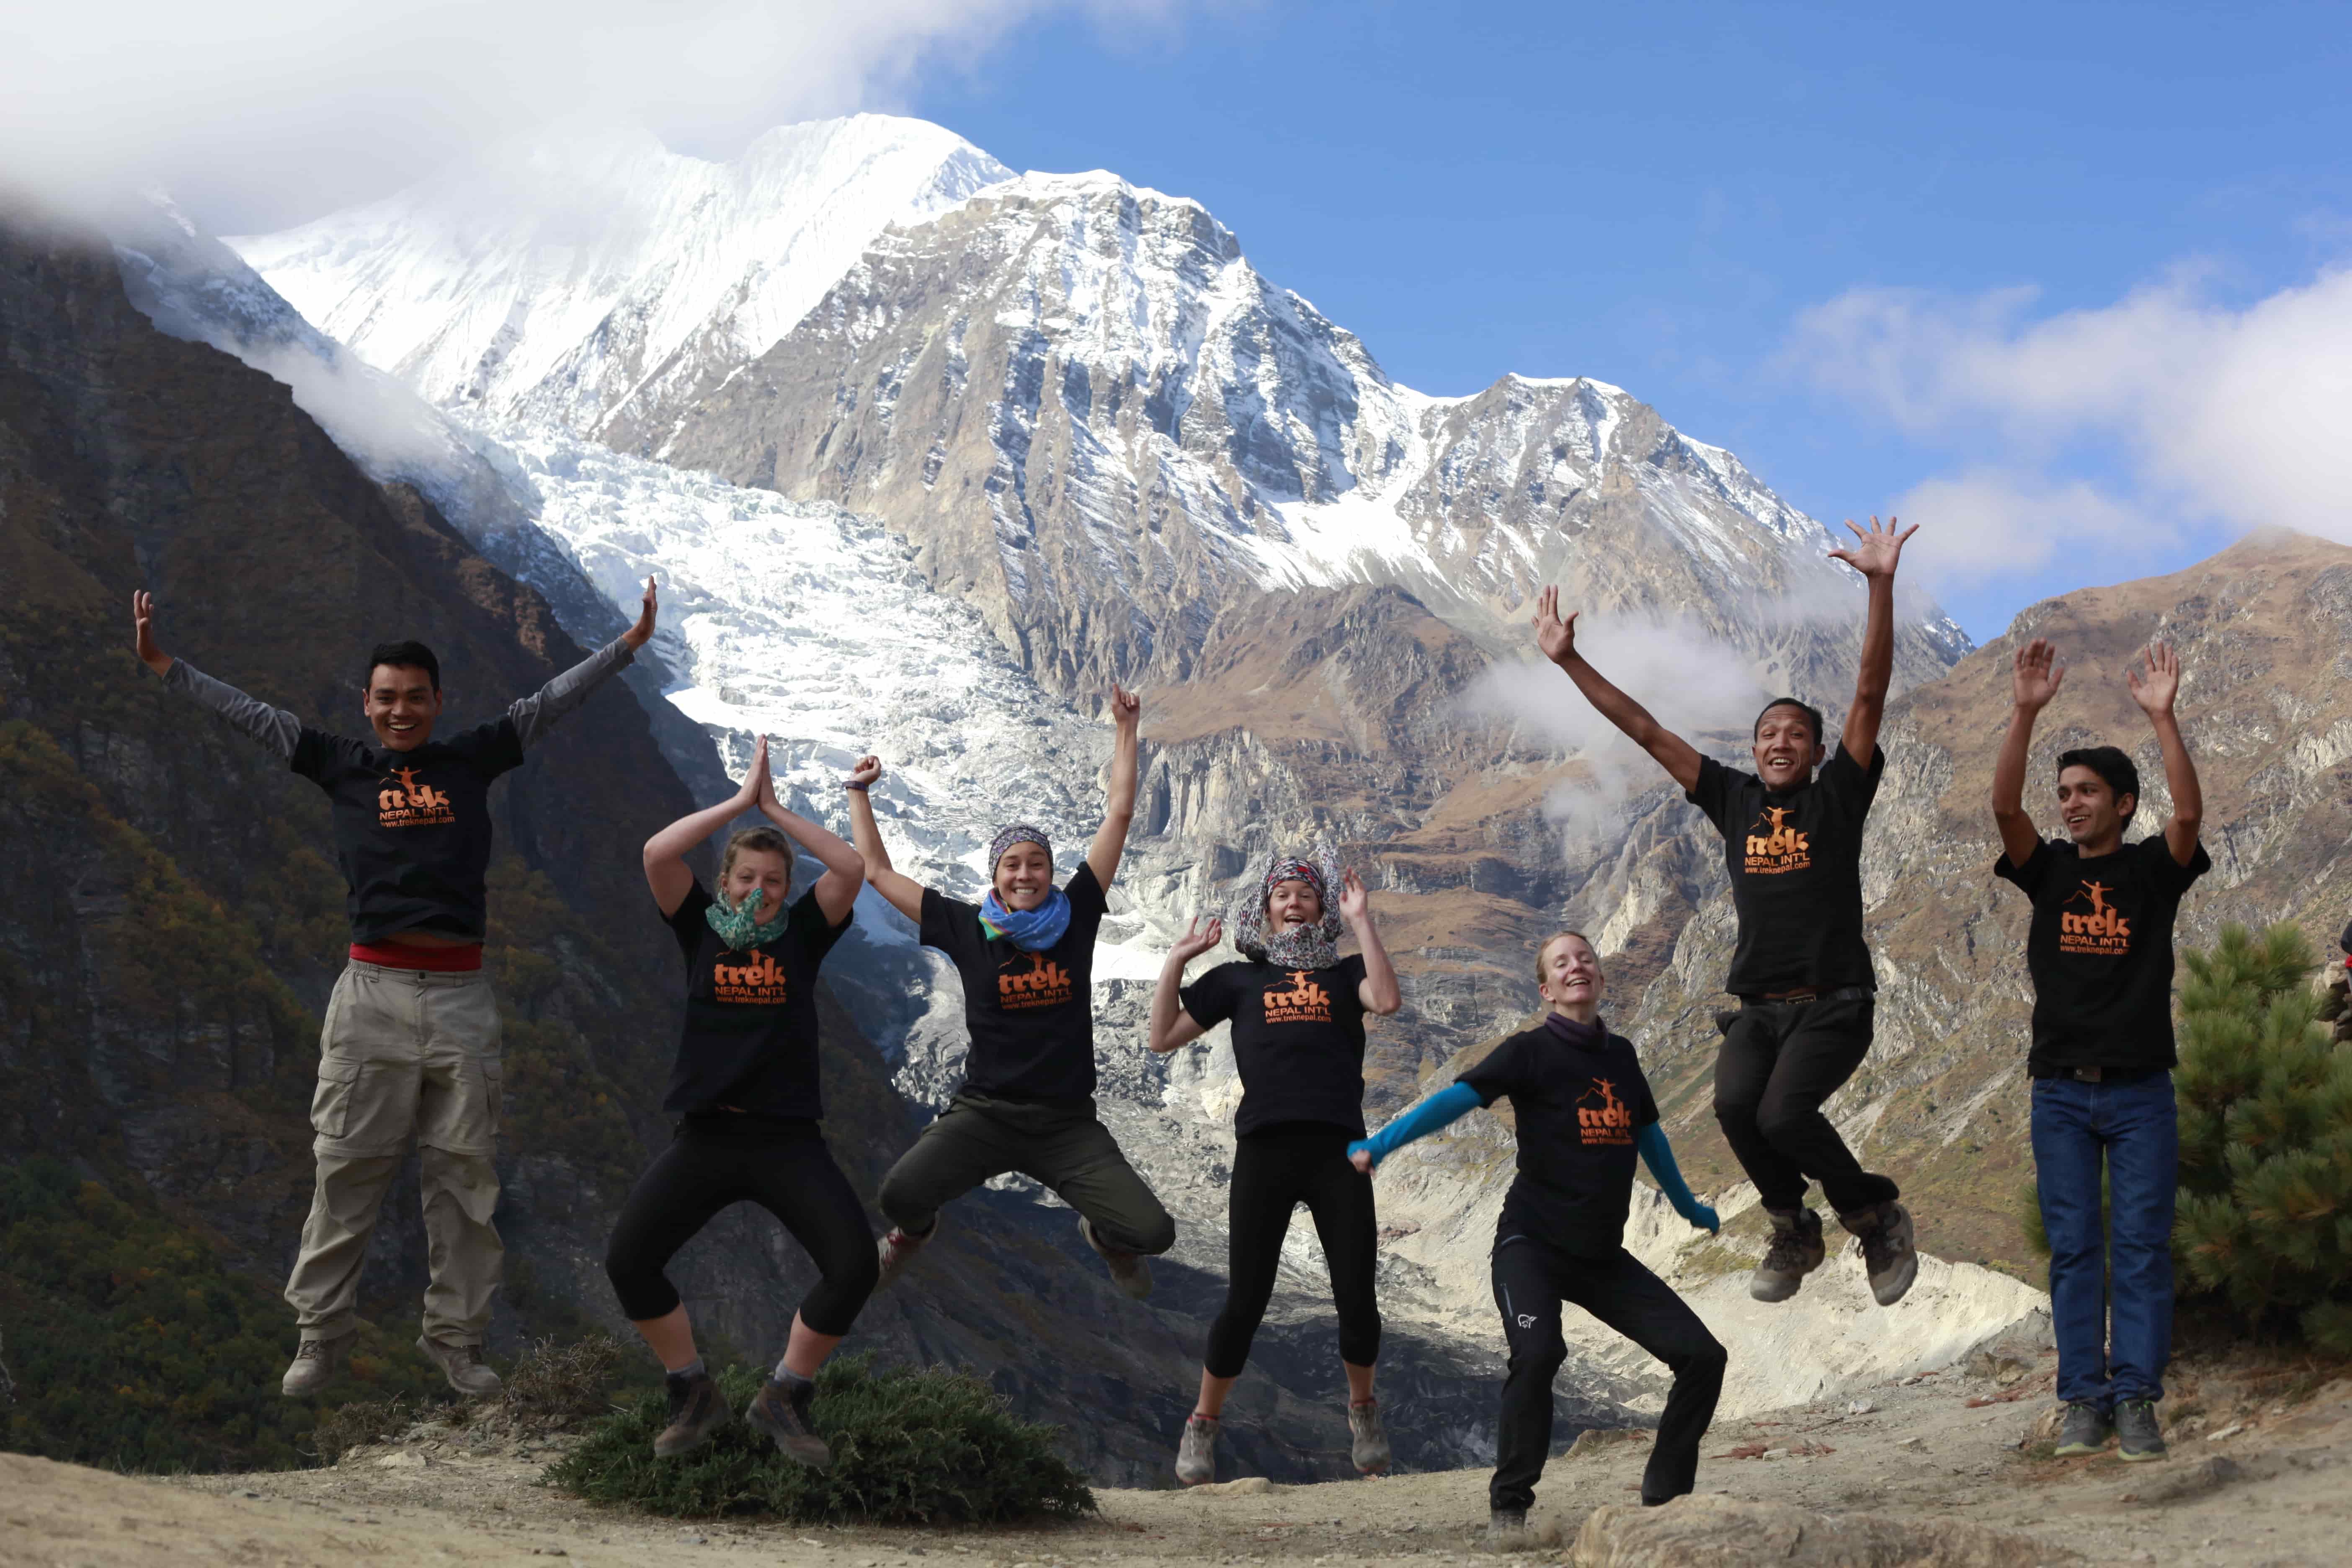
{"points": [[746, 1092]]}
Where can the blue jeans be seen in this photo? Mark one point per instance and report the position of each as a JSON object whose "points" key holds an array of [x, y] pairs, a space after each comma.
{"points": [[2109, 1350]]}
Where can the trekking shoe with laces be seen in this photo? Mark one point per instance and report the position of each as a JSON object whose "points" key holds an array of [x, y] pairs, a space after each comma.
{"points": [[896, 1249], [1796, 1250], [784, 1414], [1504, 1523], [2137, 1434], [1368, 1445], [2086, 1431], [1887, 1255], [1196, 1451], [462, 1365], [1127, 1269], [315, 1362], [696, 1408]]}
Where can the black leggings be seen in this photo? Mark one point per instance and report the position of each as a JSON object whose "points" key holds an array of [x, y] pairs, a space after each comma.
{"points": [[1274, 1170], [723, 1157]]}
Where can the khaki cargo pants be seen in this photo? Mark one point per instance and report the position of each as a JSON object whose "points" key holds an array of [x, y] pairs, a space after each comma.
{"points": [[404, 1054]]}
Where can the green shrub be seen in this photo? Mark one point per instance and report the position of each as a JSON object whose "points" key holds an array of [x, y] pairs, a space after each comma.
{"points": [[910, 1447]]}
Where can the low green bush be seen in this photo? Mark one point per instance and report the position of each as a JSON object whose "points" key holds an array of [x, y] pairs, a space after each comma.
{"points": [[910, 1447]]}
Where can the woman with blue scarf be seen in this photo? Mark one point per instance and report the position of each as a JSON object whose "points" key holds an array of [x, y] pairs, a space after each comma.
{"points": [[1026, 955], [746, 1092]]}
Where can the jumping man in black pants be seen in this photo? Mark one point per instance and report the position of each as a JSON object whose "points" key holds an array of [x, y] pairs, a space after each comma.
{"points": [[1298, 1010], [745, 1088], [1584, 1110], [1792, 842]]}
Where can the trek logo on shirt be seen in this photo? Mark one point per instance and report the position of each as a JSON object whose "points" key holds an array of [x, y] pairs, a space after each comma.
{"points": [[1610, 1122], [2101, 931], [1043, 983], [1780, 847], [1304, 1003], [412, 804], [759, 982]]}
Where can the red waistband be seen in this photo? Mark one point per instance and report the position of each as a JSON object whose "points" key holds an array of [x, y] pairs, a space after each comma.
{"points": [[431, 960]]}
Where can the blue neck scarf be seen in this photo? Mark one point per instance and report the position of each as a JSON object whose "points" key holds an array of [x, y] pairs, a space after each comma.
{"points": [[1030, 931], [740, 928]]}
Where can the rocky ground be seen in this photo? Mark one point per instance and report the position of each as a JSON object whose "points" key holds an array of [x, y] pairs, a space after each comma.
{"points": [[1949, 1468]]}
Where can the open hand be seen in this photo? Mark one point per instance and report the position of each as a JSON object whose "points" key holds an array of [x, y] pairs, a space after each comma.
{"points": [[757, 785], [1355, 903], [1126, 707], [2038, 675], [1555, 637], [1876, 553], [867, 772], [1197, 940], [638, 635], [2155, 689], [143, 621]]}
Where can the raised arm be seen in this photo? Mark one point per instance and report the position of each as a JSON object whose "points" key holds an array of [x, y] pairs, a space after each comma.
{"points": [[904, 893], [844, 869], [1171, 1025], [1110, 838], [1379, 990], [272, 726], [666, 872], [1875, 555], [538, 713], [2155, 691], [2032, 682], [1558, 639], [1659, 1155]]}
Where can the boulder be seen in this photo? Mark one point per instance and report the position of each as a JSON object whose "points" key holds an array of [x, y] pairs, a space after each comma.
{"points": [[1714, 1531]]}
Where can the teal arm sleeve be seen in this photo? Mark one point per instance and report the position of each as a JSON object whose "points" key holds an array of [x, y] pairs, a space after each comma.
{"points": [[1441, 1109], [1659, 1155]]}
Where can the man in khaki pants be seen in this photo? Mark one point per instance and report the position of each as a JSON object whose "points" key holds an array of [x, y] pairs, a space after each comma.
{"points": [[410, 1050]]}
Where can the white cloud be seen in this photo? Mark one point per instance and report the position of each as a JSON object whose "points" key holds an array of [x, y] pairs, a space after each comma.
{"points": [[1991, 524]]}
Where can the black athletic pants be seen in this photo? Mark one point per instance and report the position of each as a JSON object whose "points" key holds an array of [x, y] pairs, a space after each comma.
{"points": [[1274, 1170], [1780, 1061], [1062, 1148], [1531, 1279], [724, 1157]]}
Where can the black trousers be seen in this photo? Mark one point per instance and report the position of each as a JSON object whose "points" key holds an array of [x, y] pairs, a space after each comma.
{"points": [[1063, 1147], [1531, 1281], [1274, 1170], [1780, 1061], [725, 1157]]}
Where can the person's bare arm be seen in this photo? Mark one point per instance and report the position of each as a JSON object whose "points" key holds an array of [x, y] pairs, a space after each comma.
{"points": [[904, 893], [274, 728], [1171, 1025], [1875, 555], [1118, 815], [844, 869], [2032, 682], [2155, 693], [1557, 637], [666, 872], [1378, 990]]}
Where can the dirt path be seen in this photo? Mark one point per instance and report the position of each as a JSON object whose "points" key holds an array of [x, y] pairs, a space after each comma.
{"points": [[2258, 1477]]}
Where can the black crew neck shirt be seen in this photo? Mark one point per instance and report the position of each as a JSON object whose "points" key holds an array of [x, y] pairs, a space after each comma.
{"points": [[1578, 1109], [411, 829], [750, 1037], [1032, 1014], [1795, 859], [2100, 952], [1298, 1040]]}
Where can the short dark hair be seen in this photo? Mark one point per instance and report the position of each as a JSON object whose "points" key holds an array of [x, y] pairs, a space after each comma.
{"points": [[408, 655], [2116, 770], [1812, 716]]}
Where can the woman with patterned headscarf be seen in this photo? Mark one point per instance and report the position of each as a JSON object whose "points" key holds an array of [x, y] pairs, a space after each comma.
{"points": [[1026, 955], [1297, 1011]]}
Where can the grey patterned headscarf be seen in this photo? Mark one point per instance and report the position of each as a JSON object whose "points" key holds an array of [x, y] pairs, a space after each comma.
{"points": [[1018, 833], [1315, 945]]}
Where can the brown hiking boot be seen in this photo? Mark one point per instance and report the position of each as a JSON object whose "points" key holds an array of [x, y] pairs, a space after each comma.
{"points": [[696, 1408], [1795, 1252], [897, 1248], [1128, 1271], [1887, 1255], [462, 1365], [315, 1362], [784, 1414]]}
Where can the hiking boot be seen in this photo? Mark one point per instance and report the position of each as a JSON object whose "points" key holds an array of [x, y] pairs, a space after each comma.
{"points": [[1370, 1444], [2086, 1430], [315, 1362], [1504, 1523], [898, 1249], [784, 1414], [1196, 1452], [462, 1365], [1795, 1252], [1887, 1255], [1127, 1269], [695, 1408], [2136, 1433]]}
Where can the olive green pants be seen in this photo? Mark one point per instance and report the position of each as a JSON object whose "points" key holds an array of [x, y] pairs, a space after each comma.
{"points": [[1065, 1149]]}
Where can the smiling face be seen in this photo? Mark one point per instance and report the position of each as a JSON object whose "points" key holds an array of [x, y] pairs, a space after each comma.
{"points": [[1571, 975], [2093, 812], [1024, 876], [764, 871], [1786, 748], [401, 704], [1292, 903]]}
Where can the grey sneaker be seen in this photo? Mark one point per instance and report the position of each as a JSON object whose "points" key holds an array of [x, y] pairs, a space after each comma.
{"points": [[2136, 1433], [1370, 1444], [1127, 1269], [1887, 1255], [2086, 1431], [1196, 1452], [896, 1249], [1795, 1252], [695, 1408], [462, 1365], [782, 1413], [315, 1362], [1502, 1523]]}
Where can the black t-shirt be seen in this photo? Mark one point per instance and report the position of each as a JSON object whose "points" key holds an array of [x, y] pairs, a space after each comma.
{"points": [[1578, 1109], [411, 829], [1032, 1014], [1795, 859], [749, 1041], [1298, 1040], [2100, 952]]}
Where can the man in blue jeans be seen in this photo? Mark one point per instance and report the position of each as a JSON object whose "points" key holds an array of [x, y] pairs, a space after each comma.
{"points": [[2100, 953]]}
